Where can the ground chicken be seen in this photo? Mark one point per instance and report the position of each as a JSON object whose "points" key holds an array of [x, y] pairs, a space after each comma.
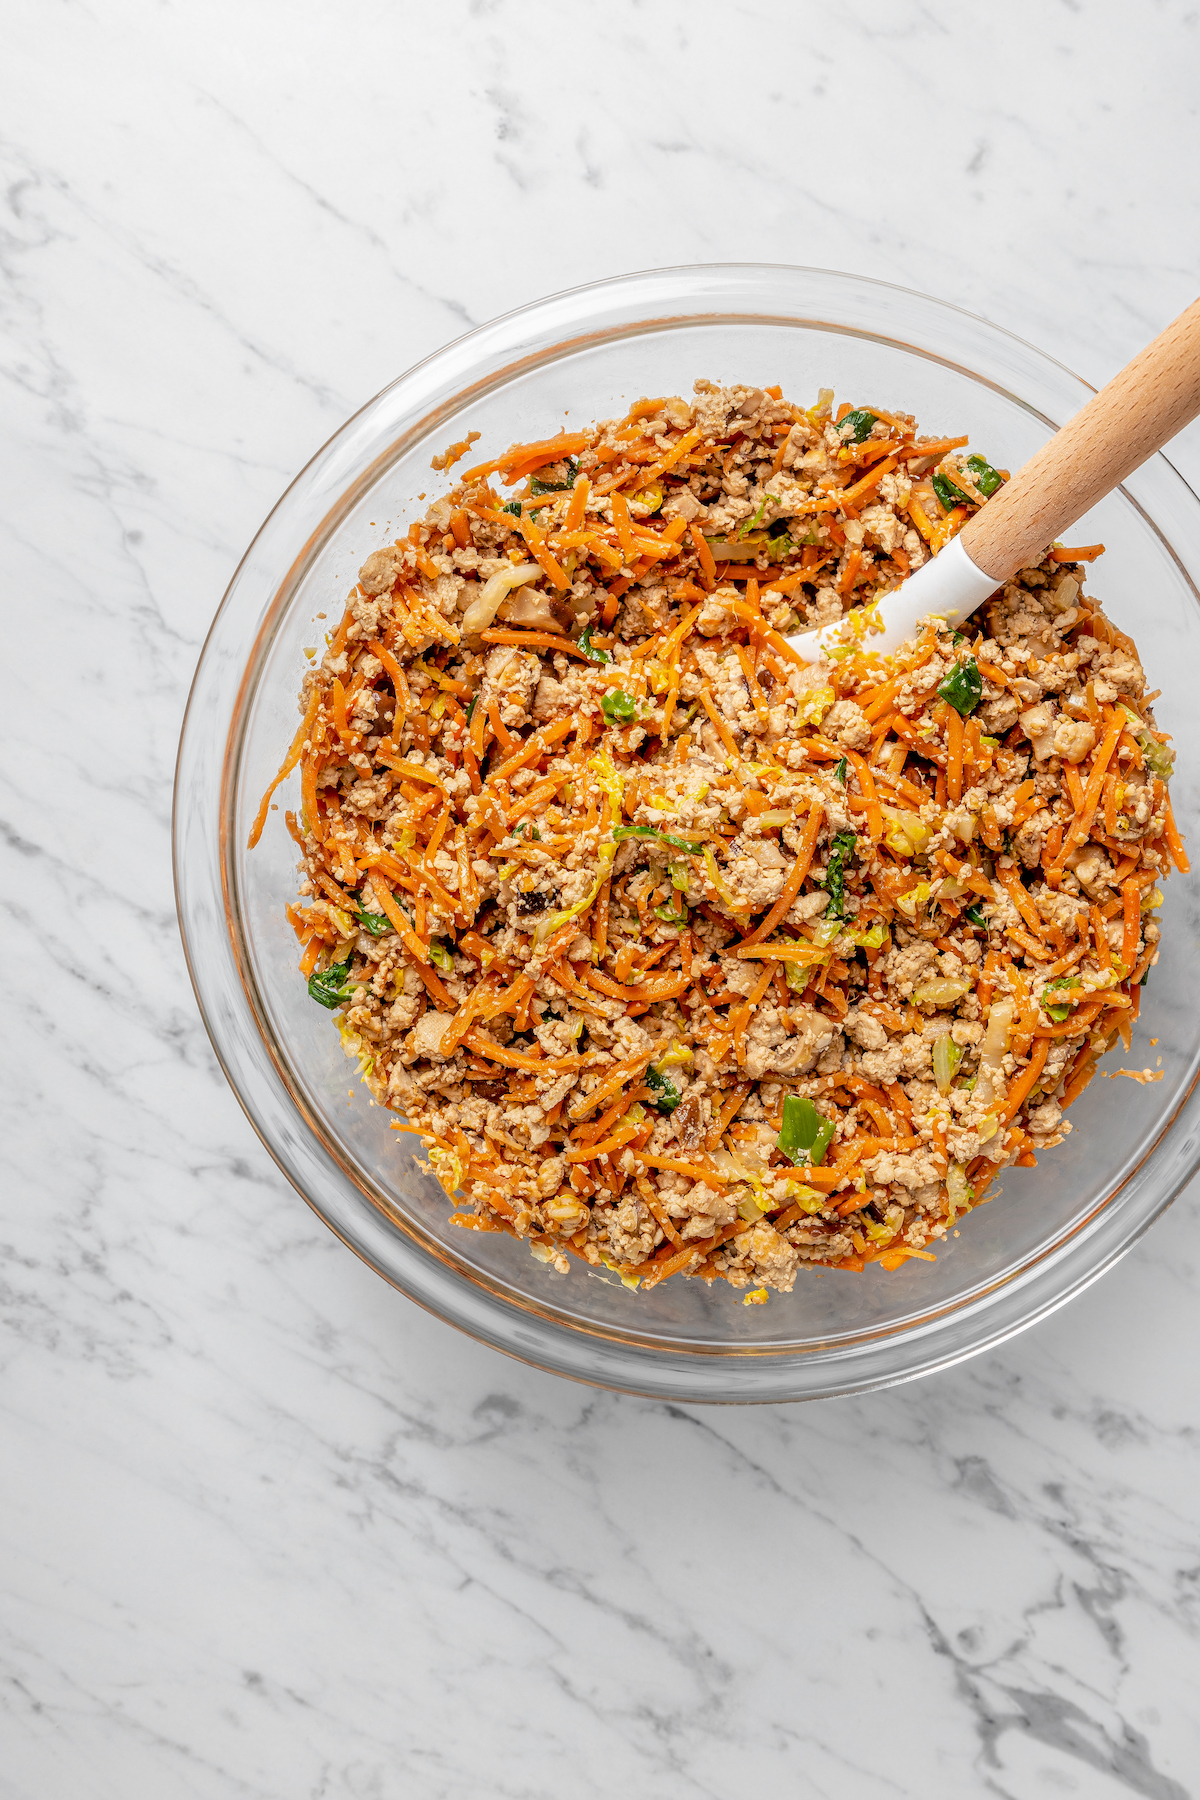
{"points": [[610, 919]]}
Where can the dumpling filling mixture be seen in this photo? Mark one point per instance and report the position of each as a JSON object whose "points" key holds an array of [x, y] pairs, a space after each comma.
{"points": [[680, 955]]}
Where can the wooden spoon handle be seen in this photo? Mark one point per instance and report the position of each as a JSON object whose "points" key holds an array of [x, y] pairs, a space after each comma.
{"points": [[1152, 398]]}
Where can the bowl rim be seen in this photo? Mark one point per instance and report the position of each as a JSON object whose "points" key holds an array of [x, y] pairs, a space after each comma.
{"points": [[622, 1352]]}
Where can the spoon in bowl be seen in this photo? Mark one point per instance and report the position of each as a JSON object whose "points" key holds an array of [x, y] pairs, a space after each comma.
{"points": [[1131, 417]]}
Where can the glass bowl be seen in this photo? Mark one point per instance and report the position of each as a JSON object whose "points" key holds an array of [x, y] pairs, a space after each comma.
{"points": [[579, 356]]}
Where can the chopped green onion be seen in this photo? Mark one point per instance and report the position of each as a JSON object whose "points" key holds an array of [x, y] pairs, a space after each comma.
{"points": [[589, 650], [963, 686], [986, 479], [680, 875], [618, 706], [513, 507], [749, 524], [976, 915], [669, 916], [688, 845], [332, 985], [668, 1094], [805, 1134], [860, 424], [472, 703], [440, 956], [839, 774], [948, 493]]}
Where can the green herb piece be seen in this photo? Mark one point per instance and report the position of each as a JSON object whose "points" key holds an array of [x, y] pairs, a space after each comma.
{"points": [[840, 852], [556, 487], [688, 845], [472, 703], [805, 1134], [589, 650], [618, 707], [840, 773], [957, 638], [963, 686], [668, 1094], [948, 493], [378, 924], [986, 479], [332, 985], [513, 507], [669, 916], [976, 916], [860, 424], [440, 956]]}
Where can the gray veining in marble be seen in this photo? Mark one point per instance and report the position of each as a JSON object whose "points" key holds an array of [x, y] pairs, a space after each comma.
{"points": [[265, 1529]]}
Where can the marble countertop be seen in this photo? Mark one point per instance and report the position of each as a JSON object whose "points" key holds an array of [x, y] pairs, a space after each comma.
{"points": [[267, 1530]]}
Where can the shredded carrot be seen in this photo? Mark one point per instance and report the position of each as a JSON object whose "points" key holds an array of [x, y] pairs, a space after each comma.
{"points": [[1026, 1081], [1082, 822], [850, 496], [708, 566], [1175, 843], [721, 728], [1081, 553], [954, 756], [935, 447], [795, 879], [288, 764], [850, 570], [504, 736]]}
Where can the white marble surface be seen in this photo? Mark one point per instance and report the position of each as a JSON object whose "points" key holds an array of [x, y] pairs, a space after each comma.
{"points": [[265, 1529]]}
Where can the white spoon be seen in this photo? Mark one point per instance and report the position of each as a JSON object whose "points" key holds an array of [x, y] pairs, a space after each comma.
{"points": [[1152, 398]]}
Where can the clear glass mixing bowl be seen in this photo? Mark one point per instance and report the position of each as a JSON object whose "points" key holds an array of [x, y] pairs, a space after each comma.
{"points": [[579, 356]]}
